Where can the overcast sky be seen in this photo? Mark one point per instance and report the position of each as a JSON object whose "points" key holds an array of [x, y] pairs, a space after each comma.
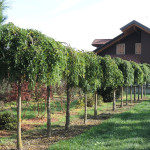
{"points": [[78, 22]]}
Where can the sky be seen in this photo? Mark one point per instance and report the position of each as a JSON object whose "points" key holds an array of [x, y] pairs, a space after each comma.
{"points": [[78, 22]]}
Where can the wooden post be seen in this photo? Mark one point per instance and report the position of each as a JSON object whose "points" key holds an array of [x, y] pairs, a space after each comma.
{"points": [[85, 111], [131, 93], [138, 92], [95, 108], [19, 141], [127, 96], [121, 96], [145, 91]]}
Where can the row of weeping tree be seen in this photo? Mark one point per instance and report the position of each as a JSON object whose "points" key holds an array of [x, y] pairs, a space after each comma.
{"points": [[28, 55], [135, 75]]}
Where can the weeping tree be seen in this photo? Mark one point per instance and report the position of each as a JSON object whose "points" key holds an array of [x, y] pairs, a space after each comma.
{"points": [[75, 68], [51, 65], [113, 77], [128, 75], [92, 78], [20, 60], [146, 77], [138, 77]]}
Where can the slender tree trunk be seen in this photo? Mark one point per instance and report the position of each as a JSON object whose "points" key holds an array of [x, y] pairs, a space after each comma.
{"points": [[131, 93], [85, 111], [138, 92], [19, 141], [48, 112], [121, 96], [127, 96], [142, 92], [68, 110], [134, 93], [95, 108], [114, 100]]}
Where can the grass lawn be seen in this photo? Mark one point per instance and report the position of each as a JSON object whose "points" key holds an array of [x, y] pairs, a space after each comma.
{"points": [[34, 129], [129, 130]]}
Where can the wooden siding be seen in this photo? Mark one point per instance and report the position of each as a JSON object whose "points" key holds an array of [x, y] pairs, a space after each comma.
{"points": [[129, 42], [145, 40]]}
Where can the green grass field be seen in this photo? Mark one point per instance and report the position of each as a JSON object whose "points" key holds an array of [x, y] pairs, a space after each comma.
{"points": [[126, 131]]}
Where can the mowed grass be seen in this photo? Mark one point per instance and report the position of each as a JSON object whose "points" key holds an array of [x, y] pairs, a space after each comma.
{"points": [[126, 131]]}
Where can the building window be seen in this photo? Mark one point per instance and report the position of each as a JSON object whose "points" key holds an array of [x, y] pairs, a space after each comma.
{"points": [[137, 48], [120, 49]]}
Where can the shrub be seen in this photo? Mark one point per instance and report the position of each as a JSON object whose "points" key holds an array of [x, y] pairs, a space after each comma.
{"points": [[90, 100], [80, 103], [107, 94], [7, 122]]}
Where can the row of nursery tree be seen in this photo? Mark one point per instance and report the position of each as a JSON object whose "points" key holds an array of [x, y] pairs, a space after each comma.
{"points": [[30, 56]]}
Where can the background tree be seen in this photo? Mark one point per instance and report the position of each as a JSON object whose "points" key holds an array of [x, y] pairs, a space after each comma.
{"points": [[75, 68], [51, 66], [128, 75], [138, 76], [92, 78], [113, 77], [146, 78], [2, 10]]}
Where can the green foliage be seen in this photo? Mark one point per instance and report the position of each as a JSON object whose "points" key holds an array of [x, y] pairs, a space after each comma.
{"points": [[51, 57], [7, 122], [75, 68], [90, 101], [113, 77], [127, 71], [80, 103], [93, 72], [138, 74], [107, 93], [146, 73], [17, 55]]}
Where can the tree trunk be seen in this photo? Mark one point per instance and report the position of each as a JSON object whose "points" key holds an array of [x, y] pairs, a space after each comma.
{"points": [[48, 112], [142, 92], [131, 93], [114, 100], [68, 110], [95, 108], [127, 96], [138, 93], [19, 141], [121, 96], [85, 111], [134, 93]]}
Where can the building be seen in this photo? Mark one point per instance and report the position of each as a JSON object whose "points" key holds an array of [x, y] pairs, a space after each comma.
{"points": [[133, 44]]}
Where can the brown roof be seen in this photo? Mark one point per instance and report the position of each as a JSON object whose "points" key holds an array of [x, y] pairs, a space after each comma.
{"points": [[98, 42], [135, 58]]}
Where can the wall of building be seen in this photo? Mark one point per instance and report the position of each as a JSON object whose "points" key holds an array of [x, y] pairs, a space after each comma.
{"points": [[145, 40], [129, 41]]}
